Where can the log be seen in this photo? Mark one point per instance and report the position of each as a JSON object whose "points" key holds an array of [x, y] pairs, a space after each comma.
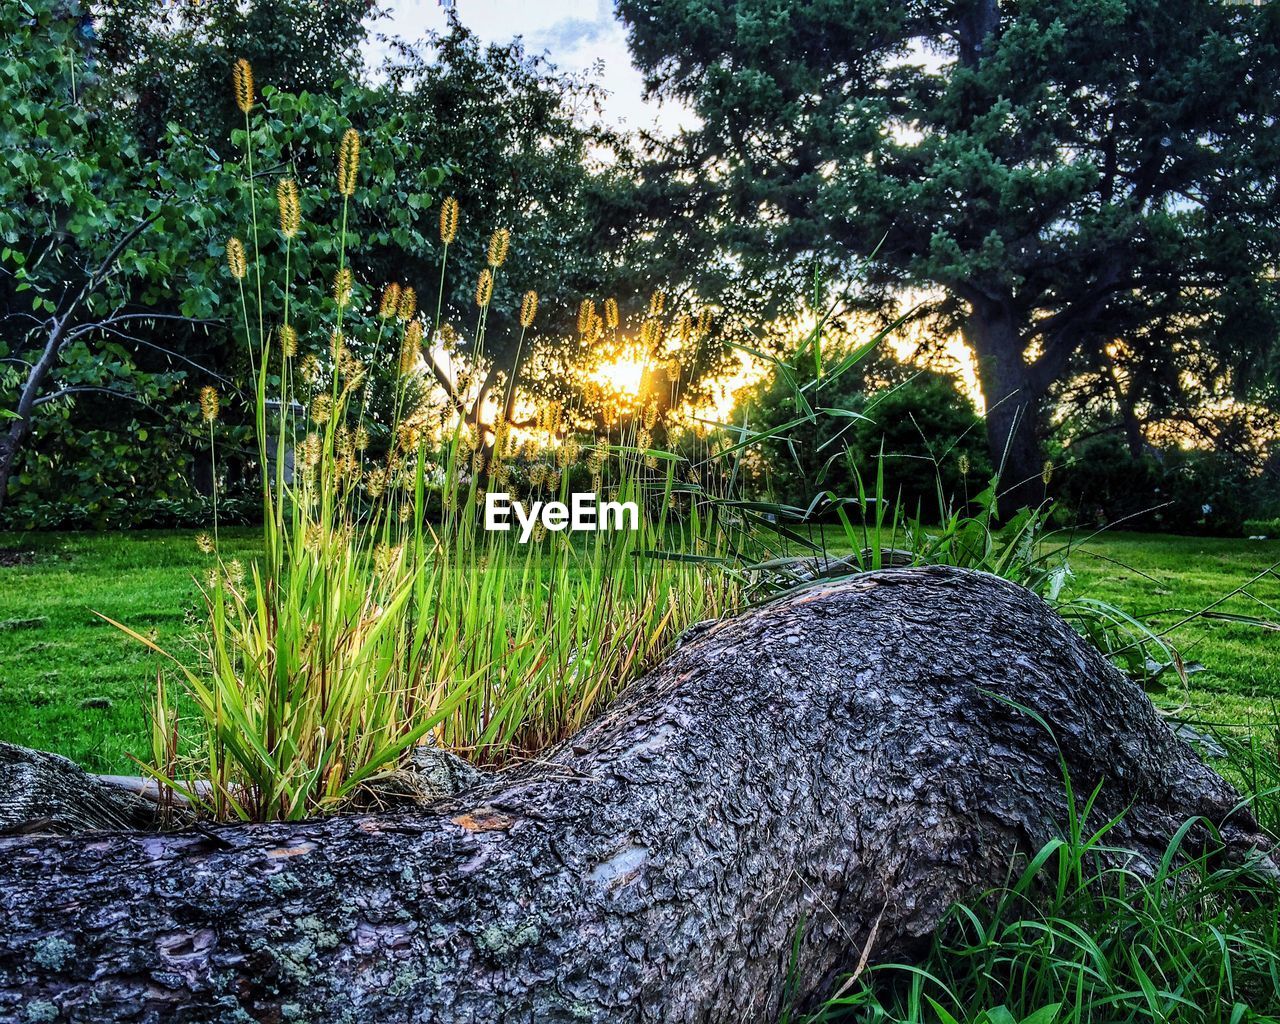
{"points": [[48, 794], [842, 764]]}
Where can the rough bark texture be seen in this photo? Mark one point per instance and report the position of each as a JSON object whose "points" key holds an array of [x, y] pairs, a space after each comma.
{"points": [[52, 795], [1014, 393], [846, 757]]}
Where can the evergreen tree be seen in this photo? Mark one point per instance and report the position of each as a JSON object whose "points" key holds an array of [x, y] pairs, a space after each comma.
{"points": [[1054, 174]]}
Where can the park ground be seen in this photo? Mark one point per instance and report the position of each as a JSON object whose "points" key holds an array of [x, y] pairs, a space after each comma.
{"points": [[72, 683]]}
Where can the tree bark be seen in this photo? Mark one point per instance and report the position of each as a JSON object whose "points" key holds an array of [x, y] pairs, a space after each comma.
{"points": [[841, 764], [1014, 400], [20, 426]]}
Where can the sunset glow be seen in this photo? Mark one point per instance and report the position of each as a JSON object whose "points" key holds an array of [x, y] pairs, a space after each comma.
{"points": [[623, 375]]}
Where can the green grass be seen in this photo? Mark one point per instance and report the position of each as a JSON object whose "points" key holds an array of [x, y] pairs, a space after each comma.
{"points": [[1066, 941], [71, 683], [1163, 580]]}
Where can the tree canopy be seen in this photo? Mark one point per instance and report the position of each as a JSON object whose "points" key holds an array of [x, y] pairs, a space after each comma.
{"points": [[1053, 177], [139, 130]]}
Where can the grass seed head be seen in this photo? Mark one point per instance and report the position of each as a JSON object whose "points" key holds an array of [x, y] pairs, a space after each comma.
{"points": [[209, 403], [390, 301], [408, 304], [651, 333], [484, 288], [528, 308], [499, 244], [411, 347], [449, 221], [242, 84], [586, 315], [321, 409], [290, 209], [343, 282], [236, 261], [348, 162]]}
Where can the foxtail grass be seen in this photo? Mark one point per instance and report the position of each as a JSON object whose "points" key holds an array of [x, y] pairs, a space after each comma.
{"points": [[381, 614]]}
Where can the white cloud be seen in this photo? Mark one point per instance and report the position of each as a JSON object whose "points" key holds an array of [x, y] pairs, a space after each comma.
{"points": [[575, 35]]}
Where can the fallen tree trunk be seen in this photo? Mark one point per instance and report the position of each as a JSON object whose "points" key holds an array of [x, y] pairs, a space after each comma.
{"points": [[848, 759]]}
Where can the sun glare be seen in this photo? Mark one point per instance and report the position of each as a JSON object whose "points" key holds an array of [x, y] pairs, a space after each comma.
{"points": [[624, 375]]}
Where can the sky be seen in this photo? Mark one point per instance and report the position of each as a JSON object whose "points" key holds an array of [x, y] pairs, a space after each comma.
{"points": [[576, 35]]}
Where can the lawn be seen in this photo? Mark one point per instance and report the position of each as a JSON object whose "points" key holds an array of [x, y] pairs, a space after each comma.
{"points": [[71, 683], [1164, 580]]}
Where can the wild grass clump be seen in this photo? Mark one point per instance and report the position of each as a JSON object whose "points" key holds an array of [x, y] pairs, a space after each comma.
{"points": [[381, 613]]}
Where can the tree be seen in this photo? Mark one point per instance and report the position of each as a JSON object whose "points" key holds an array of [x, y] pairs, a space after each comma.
{"points": [[106, 235], [1058, 174], [510, 127], [167, 63], [744, 824], [77, 223]]}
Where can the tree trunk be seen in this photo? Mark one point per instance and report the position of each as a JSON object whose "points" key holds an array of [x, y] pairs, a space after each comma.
{"points": [[20, 426], [841, 764], [1013, 399]]}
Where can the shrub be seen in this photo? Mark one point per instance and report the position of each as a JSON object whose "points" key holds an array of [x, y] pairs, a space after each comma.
{"points": [[929, 433], [1174, 490], [1262, 527]]}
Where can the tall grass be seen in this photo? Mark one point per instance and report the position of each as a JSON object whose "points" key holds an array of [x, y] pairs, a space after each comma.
{"points": [[382, 614]]}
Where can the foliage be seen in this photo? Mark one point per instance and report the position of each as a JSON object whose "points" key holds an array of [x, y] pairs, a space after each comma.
{"points": [[877, 528], [1053, 177], [363, 629], [1262, 527], [151, 80], [505, 122], [101, 229], [1174, 489], [77, 223], [167, 63], [74, 688], [511, 127], [928, 432]]}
